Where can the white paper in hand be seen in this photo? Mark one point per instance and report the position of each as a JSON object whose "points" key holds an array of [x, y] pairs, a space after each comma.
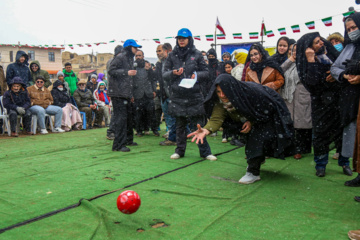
{"points": [[188, 82]]}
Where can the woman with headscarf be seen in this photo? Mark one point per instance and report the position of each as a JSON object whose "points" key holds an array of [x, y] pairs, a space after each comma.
{"points": [[259, 112], [298, 101], [282, 48], [349, 77], [186, 101], [314, 57], [263, 70]]}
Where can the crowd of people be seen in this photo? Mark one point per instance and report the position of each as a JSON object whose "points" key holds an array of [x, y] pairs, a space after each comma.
{"points": [[304, 96]]}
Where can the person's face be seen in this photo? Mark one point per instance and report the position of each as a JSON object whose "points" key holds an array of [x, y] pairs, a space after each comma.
{"points": [[134, 50], [103, 77], [317, 44], [183, 42], [22, 59], [68, 68], [160, 52], [255, 56], [228, 68], [102, 87], [211, 56], [82, 86], [16, 87], [221, 95], [147, 65], [93, 80], [61, 78], [293, 52], [283, 47], [60, 86], [34, 67], [226, 58], [139, 55], [39, 83], [350, 26], [334, 42]]}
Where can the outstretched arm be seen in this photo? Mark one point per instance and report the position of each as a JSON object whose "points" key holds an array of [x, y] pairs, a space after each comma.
{"points": [[199, 134]]}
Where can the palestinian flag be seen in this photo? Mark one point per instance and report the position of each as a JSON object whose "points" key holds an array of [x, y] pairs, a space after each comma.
{"points": [[237, 35], [270, 33], [197, 38], [254, 35], [295, 28], [220, 36], [347, 14], [209, 37], [112, 41], [157, 40], [310, 25], [88, 44], [327, 21], [282, 31]]}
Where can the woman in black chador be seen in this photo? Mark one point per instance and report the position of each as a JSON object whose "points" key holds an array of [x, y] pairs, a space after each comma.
{"points": [[261, 114], [314, 57]]}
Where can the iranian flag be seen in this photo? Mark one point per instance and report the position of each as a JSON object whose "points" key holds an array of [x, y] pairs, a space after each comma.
{"points": [[197, 38], [46, 46], [270, 33], [71, 46], [157, 40], [54, 45], [220, 36], [348, 14], [295, 28], [88, 44], [218, 26], [254, 35], [310, 25], [209, 37], [80, 45], [237, 35], [97, 44], [327, 21], [112, 41], [263, 29], [169, 37], [282, 31]]}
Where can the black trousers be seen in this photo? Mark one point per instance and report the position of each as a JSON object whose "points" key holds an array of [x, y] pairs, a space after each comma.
{"points": [[181, 123], [111, 129], [254, 165], [145, 114], [303, 140], [122, 122], [26, 120]]}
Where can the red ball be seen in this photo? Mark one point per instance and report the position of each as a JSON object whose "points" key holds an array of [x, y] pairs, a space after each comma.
{"points": [[128, 202]]}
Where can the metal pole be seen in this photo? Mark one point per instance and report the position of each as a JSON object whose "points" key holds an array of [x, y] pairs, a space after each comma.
{"points": [[215, 39]]}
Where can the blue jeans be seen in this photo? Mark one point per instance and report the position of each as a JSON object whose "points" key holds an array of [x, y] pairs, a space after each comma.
{"points": [[51, 110], [322, 160], [169, 120]]}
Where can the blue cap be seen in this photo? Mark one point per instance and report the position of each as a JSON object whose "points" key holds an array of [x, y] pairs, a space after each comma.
{"points": [[131, 42], [184, 32]]}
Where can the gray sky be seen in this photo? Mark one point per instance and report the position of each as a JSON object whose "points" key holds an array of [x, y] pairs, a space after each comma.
{"points": [[89, 21]]}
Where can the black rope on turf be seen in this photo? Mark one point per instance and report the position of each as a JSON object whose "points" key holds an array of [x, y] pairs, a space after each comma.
{"points": [[101, 195]]}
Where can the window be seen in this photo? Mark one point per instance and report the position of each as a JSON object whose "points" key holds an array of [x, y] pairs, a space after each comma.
{"points": [[11, 54], [51, 57], [31, 55]]}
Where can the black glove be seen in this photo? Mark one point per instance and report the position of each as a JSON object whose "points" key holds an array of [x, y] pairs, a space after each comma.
{"points": [[352, 67]]}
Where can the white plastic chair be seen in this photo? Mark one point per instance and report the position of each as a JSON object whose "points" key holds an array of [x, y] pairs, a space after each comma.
{"points": [[4, 117]]}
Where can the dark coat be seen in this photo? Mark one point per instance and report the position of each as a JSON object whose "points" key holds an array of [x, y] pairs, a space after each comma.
{"points": [[84, 98], [61, 98], [13, 100], [164, 87], [120, 83], [18, 69], [144, 84], [186, 101], [91, 86]]}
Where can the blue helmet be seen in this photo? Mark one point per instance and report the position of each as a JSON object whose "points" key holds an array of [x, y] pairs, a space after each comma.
{"points": [[184, 32], [131, 42]]}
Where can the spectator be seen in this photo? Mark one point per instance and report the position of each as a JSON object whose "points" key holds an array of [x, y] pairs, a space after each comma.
{"points": [[103, 101], [35, 70], [240, 56], [92, 84], [101, 77], [203, 53], [60, 76], [282, 48], [86, 103], [3, 85], [121, 71], [19, 68], [17, 102], [214, 69], [186, 104], [71, 118], [70, 77], [41, 104], [229, 65], [337, 40]]}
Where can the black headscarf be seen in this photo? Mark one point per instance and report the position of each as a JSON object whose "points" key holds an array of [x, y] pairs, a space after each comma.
{"points": [[356, 18], [182, 52], [266, 61], [212, 61], [305, 42], [260, 105], [281, 58]]}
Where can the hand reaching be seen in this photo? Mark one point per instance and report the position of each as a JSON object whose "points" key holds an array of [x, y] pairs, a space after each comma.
{"points": [[199, 134]]}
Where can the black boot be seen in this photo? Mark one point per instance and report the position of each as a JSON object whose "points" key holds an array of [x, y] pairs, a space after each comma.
{"points": [[353, 183]]}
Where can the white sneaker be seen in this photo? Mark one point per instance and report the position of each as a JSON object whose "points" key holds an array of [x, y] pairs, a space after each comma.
{"points": [[147, 133], [211, 158], [213, 134], [175, 156], [224, 140], [58, 130], [43, 131], [249, 178]]}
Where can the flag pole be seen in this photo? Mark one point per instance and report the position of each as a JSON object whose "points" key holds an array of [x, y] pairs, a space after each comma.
{"points": [[215, 38], [262, 35]]}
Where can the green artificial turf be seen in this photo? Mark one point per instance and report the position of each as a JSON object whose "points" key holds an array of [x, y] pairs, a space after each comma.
{"points": [[40, 174]]}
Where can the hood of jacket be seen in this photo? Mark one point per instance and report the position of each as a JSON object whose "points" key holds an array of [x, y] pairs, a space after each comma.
{"points": [[58, 83], [98, 85], [37, 63], [17, 80], [100, 76], [20, 54]]}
